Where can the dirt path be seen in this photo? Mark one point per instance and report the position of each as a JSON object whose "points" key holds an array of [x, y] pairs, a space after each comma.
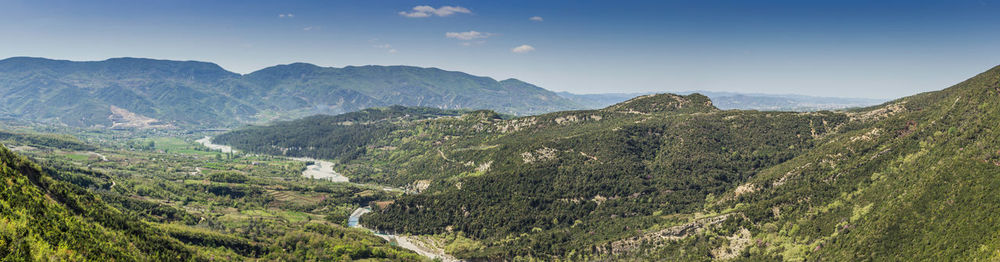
{"points": [[99, 155]]}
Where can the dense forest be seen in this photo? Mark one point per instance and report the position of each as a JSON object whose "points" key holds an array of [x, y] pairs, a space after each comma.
{"points": [[344, 136], [672, 177]]}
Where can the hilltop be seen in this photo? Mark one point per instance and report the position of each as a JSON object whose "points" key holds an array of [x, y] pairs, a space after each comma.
{"points": [[742, 101]]}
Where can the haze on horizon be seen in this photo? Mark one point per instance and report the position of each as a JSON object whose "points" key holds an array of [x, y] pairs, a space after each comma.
{"points": [[882, 49]]}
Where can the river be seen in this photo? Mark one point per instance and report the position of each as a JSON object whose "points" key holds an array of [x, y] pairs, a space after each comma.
{"points": [[406, 242], [321, 169], [318, 169]]}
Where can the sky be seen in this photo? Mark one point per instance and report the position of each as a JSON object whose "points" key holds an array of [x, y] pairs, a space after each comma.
{"points": [[846, 48]]}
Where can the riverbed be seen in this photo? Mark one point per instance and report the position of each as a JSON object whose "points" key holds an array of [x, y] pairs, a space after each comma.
{"points": [[321, 169], [402, 241], [317, 169]]}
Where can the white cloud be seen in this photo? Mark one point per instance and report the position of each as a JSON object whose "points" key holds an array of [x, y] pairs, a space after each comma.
{"points": [[472, 43], [422, 11], [470, 35], [387, 47], [308, 28], [288, 15], [414, 14], [523, 49], [536, 19]]}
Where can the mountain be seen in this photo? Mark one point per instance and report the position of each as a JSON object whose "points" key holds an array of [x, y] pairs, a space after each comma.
{"points": [[147, 93], [672, 177], [729, 100]]}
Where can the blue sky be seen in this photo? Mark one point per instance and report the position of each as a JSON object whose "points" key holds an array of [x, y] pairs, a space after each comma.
{"points": [[879, 49]]}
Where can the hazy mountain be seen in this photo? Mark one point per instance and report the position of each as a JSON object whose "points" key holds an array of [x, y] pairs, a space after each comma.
{"points": [[136, 92], [730, 100], [669, 177]]}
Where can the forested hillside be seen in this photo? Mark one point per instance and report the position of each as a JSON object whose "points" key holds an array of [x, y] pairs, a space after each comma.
{"points": [[146, 93], [916, 180], [46, 219], [344, 136], [669, 177]]}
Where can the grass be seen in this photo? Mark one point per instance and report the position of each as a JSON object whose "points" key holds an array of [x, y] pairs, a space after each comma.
{"points": [[179, 146], [78, 157], [293, 216]]}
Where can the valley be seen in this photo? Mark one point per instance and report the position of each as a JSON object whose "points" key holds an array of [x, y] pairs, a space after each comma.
{"points": [[316, 169], [513, 131], [319, 169], [662, 177], [219, 204]]}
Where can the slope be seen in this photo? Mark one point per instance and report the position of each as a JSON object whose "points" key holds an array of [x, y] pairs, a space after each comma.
{"points": [[915, 181], [44, 219]]}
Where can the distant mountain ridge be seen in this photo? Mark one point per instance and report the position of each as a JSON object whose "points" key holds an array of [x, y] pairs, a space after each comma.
{"points": [[732, 100], [139, 92]]}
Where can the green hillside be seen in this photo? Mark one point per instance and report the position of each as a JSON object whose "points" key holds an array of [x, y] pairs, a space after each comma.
{"points": [[669, 177], [917, 181], [342, 136], [45, 219], [127, 93]]}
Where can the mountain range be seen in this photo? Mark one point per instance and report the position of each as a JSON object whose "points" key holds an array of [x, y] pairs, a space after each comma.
{"points": [[148, 93], [137, 92]]}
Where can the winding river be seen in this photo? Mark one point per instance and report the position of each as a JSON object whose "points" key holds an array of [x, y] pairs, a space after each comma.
{"points": [[318, 169], [321, 169]]}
